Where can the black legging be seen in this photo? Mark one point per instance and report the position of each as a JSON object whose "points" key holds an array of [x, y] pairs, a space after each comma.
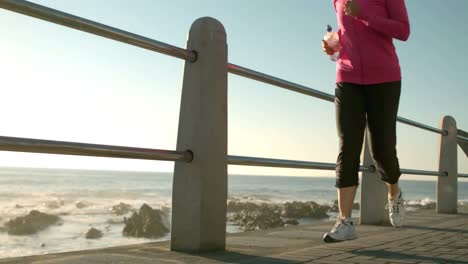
{"points": [[380, 103]]}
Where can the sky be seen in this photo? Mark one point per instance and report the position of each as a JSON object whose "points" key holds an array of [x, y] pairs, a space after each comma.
{"points": [[63, 84]]}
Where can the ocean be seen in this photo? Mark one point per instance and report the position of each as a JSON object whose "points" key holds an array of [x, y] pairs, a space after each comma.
{"points": [[58, 191]]}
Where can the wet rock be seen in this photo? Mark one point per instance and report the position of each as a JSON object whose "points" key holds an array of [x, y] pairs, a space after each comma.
{"points": [[42, 244], [81, 204], [93, 233], [54, 204], [148, 222], [253, 216], [121, 209], [237, 206], [32, 223], [291, 222], [335, 209], [263, 217], [305, 210], [115, 221]]}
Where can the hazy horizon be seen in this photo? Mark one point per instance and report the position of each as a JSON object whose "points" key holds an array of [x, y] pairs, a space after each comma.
{"points": [[403, 177]]}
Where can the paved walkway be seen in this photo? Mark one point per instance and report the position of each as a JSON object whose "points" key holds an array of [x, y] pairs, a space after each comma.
{"points": [[427, 238]]}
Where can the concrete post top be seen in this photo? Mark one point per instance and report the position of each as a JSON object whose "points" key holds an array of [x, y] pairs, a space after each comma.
{"points": [[448, 119], [449, 124], [209, 25]]}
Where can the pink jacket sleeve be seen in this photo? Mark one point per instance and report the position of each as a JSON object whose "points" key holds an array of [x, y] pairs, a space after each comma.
{"points": [[396, 26]]}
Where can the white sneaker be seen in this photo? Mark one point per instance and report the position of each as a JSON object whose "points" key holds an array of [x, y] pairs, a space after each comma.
{"points": [[396, 210], [341, 231]]}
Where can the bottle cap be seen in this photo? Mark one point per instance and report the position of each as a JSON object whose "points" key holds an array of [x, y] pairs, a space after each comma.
{"points": [[329, 28]]}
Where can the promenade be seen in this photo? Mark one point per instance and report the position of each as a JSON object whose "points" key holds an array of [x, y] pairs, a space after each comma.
{"points": [[427, 238]]}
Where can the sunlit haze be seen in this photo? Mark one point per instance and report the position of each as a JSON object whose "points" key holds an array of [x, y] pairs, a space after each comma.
{"points": [[62, 84]]}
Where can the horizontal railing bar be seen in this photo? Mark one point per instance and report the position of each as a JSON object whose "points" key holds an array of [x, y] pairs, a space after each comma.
{"points": [[68, 20], [95, 150], [264, 162], [422, 172], [422, 126], [462, 138], [281, 163], [83, 149], [258, 76]]}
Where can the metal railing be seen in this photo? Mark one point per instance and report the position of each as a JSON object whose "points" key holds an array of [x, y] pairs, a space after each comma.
{"points": [[462, 138], [186, 156], [68, 20], [82, 149]]}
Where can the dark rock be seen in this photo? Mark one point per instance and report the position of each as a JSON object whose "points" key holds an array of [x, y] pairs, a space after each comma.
{"points": [[54, 204], [93, 233], [42, 244], [32, 223], [148, 222], [265, 217], [115, 221], [305, 210], [237, 206], [252, 216], [81, 204], [121, 209], [335, 209], [291, 222]]}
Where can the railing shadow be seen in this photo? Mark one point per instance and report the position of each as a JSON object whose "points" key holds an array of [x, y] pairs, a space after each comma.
{"points": [[451, 230], [383, 254], [236, 257]]}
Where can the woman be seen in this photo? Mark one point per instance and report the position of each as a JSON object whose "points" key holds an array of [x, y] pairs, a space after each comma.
{"points": [[368, 86]]}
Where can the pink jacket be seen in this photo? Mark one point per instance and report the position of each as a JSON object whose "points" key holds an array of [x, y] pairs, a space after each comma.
{"points": [[367, 54]]}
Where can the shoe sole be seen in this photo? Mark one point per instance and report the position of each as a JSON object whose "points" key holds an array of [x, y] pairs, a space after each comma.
{"points": [[329, 239]]}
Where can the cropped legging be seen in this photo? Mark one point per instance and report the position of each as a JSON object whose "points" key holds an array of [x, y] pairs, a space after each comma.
{"points": [[376, 104]]}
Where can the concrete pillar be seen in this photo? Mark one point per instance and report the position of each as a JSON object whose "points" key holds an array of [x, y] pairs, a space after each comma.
{"points": [[200, 188], [447, 186], [373, 192]]}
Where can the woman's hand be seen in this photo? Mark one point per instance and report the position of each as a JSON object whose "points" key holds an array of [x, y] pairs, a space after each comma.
{"points": [[352, 8], [327, 49]]}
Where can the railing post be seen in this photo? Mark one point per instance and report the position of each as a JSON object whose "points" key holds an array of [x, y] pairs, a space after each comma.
{"points": [[373, 192], [200, 187], [447, 186]]}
